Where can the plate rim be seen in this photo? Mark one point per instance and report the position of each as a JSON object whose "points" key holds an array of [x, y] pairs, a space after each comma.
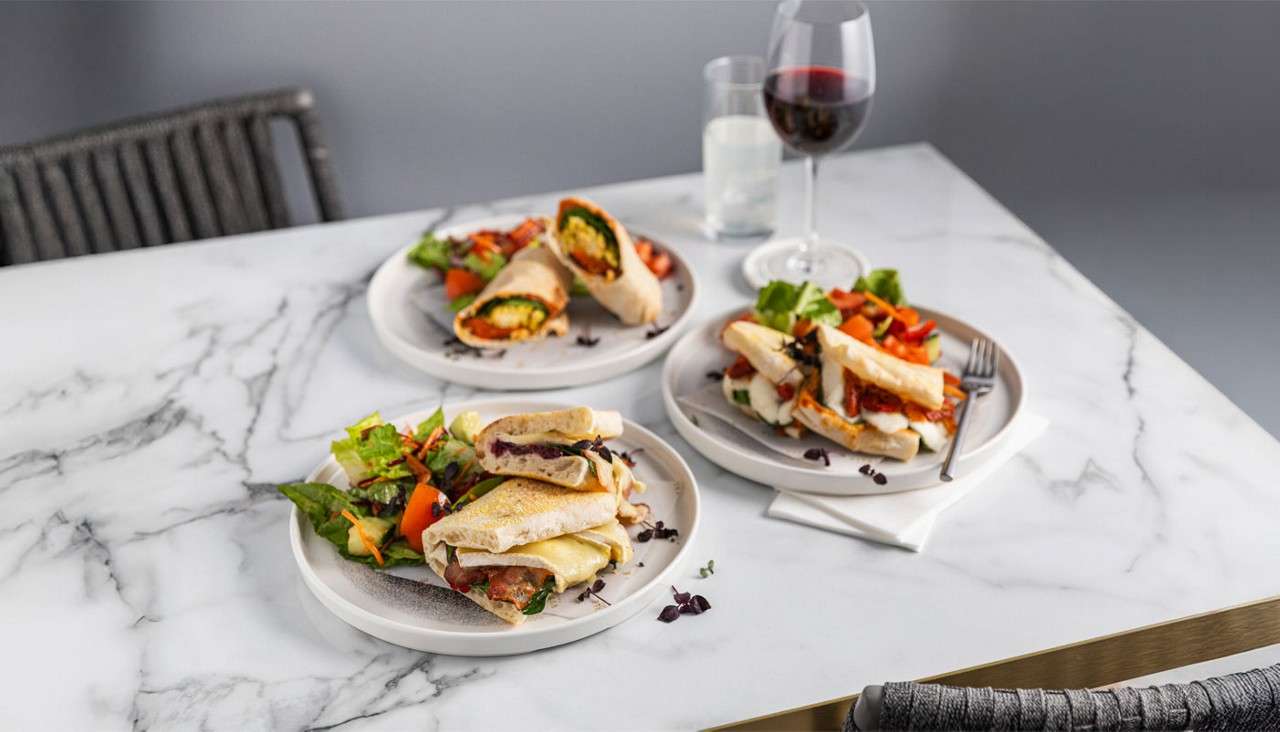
{"points": [[734, 459], [527, 640], [458, 372]]}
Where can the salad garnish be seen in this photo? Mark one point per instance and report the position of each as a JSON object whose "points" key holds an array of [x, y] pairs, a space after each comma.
{"points": [[401, 482]]}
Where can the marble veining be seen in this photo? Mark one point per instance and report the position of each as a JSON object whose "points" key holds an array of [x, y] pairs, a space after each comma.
{"points": [[150, 401]]}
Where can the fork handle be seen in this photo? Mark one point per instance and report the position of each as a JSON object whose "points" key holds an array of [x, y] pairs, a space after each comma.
{"points": [[969, 403]]}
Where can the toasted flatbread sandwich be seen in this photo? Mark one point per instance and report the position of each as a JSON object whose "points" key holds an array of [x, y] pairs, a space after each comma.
{"points": [[565, 448], [510, 549], [763, 382], [873, 402]]}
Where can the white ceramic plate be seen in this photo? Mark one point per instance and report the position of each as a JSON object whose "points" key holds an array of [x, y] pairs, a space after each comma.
{"points": [[411, 318], [412, 607], [727, 445]]}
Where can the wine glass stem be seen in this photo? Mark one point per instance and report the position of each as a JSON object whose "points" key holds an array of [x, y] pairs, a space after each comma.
{"points": [[810, 243]]}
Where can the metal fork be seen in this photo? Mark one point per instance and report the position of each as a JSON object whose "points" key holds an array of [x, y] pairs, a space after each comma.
{"points": [[978, 379]]}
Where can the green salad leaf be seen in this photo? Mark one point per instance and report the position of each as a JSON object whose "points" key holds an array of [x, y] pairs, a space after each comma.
{"points": [[460, 303], [431, 252], [781, 304], [579, 288], [369, 449], [884, 284], [323, 505], [430, 424], [486, 267], [539, 600]]}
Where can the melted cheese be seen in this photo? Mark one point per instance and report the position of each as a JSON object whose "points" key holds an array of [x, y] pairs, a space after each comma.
{"points": [[932, 434], [767, 403], [569, 558]]}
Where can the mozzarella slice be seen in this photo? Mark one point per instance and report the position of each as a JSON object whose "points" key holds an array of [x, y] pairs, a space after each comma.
{"points": [[887, 422], [765, 400], [833, 389], [729, 386], [932, 434]]}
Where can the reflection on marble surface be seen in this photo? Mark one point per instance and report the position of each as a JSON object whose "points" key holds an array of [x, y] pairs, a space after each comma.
{"points": [[149, 402]]}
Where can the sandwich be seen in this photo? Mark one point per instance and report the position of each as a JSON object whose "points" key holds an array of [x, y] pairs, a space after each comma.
{"points": [[564, 448], [512, 548], [600, 252], [525, 301], [765, 379], [873, 402]]}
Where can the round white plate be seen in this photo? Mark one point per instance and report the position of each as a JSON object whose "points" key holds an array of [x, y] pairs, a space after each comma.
{"points": [[411, 318], [759, 261], [732, 448], [414, 608]]}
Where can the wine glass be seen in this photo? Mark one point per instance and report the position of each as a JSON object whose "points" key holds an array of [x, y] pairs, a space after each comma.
{"points": [[822, 75]]}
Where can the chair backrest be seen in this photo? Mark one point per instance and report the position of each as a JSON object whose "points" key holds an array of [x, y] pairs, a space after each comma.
{"points": [[1249, 700], [199, 172]]}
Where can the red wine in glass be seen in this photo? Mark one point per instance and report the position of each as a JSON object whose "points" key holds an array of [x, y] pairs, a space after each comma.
{"points": [[816, 109]]}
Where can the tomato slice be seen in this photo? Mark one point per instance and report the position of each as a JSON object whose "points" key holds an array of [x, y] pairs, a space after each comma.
{"points": [[459, 282], [426, 506], [741, 368], [484, 329]]}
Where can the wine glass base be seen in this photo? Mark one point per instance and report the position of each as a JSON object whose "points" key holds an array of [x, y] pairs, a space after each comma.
{"points": [[838, 265]]}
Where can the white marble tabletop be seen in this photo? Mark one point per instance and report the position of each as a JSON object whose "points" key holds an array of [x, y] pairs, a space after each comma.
{"points": [[150, 401]]}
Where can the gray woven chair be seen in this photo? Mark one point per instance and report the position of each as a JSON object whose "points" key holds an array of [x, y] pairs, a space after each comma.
{"points": [[1249, 700], [204, 171]]}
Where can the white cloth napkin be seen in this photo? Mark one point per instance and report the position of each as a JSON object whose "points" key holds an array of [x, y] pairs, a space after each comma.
{"points": [[901, 519]]}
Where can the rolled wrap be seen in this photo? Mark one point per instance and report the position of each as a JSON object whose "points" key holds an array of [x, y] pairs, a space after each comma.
{"points": [[533, 273], [634, 295]]}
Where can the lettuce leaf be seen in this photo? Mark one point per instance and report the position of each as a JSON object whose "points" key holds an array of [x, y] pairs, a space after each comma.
{"points": [[781, 304], [460, 303], [323, 505], [371, 445], [486, 267], [884, 284], [430, 252], [430, 424]]}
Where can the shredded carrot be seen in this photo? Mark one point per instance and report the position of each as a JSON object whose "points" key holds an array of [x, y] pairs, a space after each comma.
{"points": [[953, 391], [364, 538], [420, 471], [884, 305], [430, 442]]}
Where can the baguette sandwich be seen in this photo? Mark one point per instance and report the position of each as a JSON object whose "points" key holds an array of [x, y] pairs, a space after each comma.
{"points": [[511, 549], [872, 402], [765, 379]]}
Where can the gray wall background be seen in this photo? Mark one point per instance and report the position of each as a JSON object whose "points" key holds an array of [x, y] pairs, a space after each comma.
{"points": [[1139, 138]]}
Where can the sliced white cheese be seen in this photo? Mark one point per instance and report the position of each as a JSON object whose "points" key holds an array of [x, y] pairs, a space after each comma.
{"points": [[887, 422], [833, 389], [932, 434], [767, 403], [729, 386]]}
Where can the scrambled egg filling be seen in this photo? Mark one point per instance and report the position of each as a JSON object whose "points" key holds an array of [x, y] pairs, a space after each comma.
{"points": [[516, 315], [584, 240]]}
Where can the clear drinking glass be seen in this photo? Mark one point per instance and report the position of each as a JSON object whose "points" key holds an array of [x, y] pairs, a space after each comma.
{"points": [[822, 76], [741, 153]]}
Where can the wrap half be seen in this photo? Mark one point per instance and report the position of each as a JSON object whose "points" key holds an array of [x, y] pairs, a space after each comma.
{"points": [[525, 301], [600, 252]]}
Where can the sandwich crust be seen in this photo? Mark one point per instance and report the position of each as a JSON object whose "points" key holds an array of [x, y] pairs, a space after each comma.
{"points": [[765, 349], [902, 445], [588, 472], [911, 381], [521, 511], [505, 610]]}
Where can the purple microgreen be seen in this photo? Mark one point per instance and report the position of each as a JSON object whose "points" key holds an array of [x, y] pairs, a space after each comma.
{"points": [[701, 603], [818, 453], [680, 597], [866, 469], [669, 613], [597, 586], [644, 536], [715, 375], [640, 564], [658, 525], [656, 331], [585, 340], [629, 456], [880, 479]]}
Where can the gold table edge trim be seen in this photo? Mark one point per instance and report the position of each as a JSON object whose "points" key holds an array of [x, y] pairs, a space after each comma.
{"points": [[1090, 663]]}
